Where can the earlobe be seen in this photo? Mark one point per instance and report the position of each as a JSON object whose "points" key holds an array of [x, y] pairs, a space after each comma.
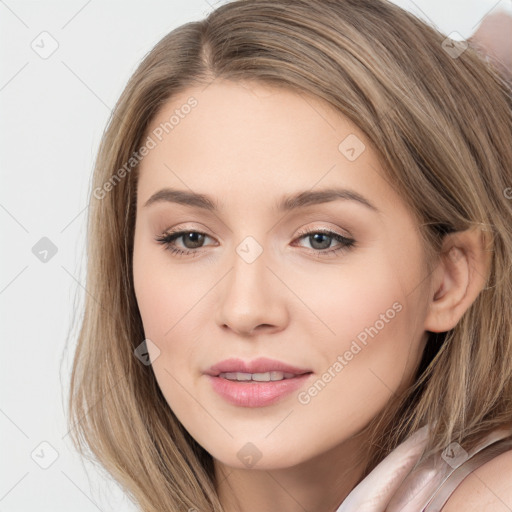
{"points": [[458, 279]]}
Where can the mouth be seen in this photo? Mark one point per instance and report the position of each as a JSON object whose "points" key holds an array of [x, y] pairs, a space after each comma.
{"points": [[262, 369], [257, 383], [258, 377]]}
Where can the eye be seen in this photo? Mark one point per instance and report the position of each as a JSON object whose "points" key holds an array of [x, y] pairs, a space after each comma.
{"points": [[192, 240], [322, 239]]}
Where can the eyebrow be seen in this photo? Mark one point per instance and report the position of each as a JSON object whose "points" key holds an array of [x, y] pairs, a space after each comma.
{"points": [[288, 203]]}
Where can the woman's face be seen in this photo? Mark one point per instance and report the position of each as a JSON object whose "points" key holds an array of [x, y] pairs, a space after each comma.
{"points": [[327, 284]]}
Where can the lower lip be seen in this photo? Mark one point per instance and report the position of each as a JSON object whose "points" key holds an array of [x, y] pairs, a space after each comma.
{"points": [[256, 394]]}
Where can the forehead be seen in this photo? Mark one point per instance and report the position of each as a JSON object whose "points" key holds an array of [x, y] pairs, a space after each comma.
{"points": [[253, 140]]}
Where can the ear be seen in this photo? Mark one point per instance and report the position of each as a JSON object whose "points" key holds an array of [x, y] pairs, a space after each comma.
{"points": [[459, 277]]}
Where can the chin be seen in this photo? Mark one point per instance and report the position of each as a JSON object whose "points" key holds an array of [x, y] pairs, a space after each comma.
{"points": [[259, 455]]}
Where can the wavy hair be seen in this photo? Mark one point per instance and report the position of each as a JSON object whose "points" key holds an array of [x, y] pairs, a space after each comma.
{"points": [[441, 124]]}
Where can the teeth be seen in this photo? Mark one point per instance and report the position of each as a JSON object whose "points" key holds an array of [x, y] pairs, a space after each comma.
{"points": [[236, 376], [259, 377], [263, 377]]}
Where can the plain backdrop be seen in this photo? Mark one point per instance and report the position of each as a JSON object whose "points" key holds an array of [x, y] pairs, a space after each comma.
{"points": [[53, 110]]}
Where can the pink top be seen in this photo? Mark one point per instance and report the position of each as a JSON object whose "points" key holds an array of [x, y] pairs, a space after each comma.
{"points": [[397, 484]]}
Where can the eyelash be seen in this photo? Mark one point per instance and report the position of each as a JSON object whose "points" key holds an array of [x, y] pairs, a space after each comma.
{"points": [[167, 239]]}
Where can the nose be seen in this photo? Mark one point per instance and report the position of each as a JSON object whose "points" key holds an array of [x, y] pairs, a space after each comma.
{"points": [[252, 298]]}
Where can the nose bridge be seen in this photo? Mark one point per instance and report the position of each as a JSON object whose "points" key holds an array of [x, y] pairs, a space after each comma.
{"points": [[249, 250], [249, 275], [249, 297]]}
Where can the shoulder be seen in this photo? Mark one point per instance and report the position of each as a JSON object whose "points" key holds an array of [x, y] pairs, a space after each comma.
{"points": [[487, 489]]}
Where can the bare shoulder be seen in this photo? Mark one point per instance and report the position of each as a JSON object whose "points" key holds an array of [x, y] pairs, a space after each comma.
{"points": [[487, 489]]}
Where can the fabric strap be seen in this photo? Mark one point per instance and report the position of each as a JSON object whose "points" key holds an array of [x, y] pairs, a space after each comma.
{"points": [[487, 453]]}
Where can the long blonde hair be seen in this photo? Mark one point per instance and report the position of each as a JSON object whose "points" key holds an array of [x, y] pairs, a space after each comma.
{"points": [[441, 124]]}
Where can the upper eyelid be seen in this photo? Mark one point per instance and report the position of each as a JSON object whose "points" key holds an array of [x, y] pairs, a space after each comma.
{"points": [[323, 227]]}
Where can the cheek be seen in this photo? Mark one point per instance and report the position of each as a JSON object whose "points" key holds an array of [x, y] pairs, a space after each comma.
{"points": [[164, 299], [152, 294], [164, 294], [371, 357], [375, 326], [173, 305], [354, 298]]}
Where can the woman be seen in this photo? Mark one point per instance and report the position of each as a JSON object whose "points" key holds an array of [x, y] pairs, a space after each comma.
{"points": [[230, 359]]}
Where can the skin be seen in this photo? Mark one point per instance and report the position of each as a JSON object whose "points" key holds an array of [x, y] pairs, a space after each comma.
{"points": [[487, 489], [247, 145], [494, 39]]}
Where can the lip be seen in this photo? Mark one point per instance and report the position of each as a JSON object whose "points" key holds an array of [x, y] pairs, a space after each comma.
{"points": [[255, 393], [260, 365]]}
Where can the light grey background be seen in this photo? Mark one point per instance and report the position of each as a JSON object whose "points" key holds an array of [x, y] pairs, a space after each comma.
{"points": [[53, 111]]}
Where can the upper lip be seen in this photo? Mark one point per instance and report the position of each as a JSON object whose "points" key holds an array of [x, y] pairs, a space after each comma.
{"points": [[260, 365]]}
